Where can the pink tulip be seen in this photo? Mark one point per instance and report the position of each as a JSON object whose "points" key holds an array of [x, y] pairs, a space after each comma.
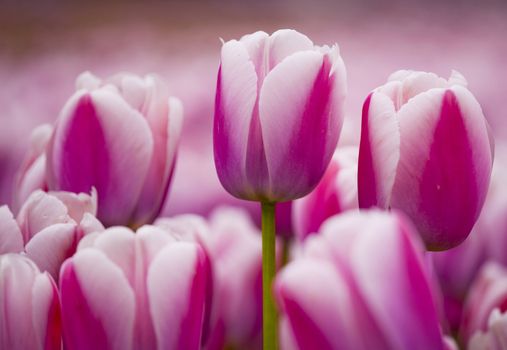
{"points": [[426, 150], [362, 283], [134, 291], [29, 307], [235, 247], [335, 193], [119, 136], [278, 114], [489, 292], [48, 227]]}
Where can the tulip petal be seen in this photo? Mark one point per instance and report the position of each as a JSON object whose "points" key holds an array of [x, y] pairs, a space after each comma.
{"points": [[107, 140], [234, 106], [176, 285], [299, 129], [323, 309], [284, 43], [98, 305], [433, 126], [379, 151], [17, 275], [50, 247], [399, 262], [11, 239], [46, 312]]}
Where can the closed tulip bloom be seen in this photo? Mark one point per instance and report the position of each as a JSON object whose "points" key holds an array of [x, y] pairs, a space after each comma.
{"points": [[335, 193], [278, 114], [134, 291], [120, 136], [426, 150], [49, 227], [335, 295], [29, 307], [489, 292]]}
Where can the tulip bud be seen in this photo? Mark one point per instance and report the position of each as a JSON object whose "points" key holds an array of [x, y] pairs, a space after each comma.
{"points": [[119, 136], [426, 150], [134, 291], [278, 114], [49, 227], [335, 295], [29, 307], [335, 193]]}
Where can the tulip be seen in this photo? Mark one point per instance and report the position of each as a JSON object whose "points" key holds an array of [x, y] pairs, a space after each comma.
{"points": [[278, 114], [235, 247], [426, 150], [134, 291], [335, 295], [335, 193], [119, 136], [489, 292], [29, 307], [49, 227]]}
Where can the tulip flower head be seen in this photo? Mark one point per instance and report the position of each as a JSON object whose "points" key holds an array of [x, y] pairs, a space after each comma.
{"points": [[48, 227], [120, 136], [134, 291], [426, 150], [278, 114], [335, 295]]}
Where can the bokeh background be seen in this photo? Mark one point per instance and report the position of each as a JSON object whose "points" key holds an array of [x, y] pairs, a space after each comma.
{"points": [[44, 45]]}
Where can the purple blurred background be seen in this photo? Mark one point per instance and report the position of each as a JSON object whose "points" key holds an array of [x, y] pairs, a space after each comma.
{"points": [[45, 45]]}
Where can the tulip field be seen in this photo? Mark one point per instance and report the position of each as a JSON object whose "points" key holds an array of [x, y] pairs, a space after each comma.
{"points": [[243, 176]]}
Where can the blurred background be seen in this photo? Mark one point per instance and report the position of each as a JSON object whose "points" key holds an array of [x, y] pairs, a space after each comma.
{"points": [[44, 45]]}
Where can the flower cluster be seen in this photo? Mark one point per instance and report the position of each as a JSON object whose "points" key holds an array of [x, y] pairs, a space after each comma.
{"points": [[383, 244]]}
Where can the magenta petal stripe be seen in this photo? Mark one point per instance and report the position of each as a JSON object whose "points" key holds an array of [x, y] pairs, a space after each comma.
{"points": [[366, 177], [449, 200]]}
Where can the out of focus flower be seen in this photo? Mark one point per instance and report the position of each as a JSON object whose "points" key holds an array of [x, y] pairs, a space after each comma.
{"points": [[134, 291], [489, 292], [495, 337], [335, 295], [49, 227], [278, 114], [119, 136], [235, 247], [426, 150], [458, 267], [335, 193], [29, 307], [32, 175]]}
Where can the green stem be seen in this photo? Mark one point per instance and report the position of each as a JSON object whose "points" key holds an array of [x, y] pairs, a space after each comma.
{"points": [[269, 313]]}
